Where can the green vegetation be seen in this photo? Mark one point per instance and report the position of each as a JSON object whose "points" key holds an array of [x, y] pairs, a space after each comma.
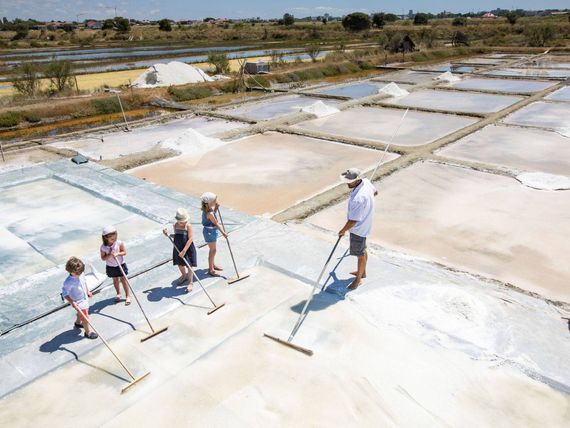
{"points": [[288, 19], [512, 17], [357, 21], [540, 35], [379, 20], [27, 82], [164, 25], [220, 61], [106, 105], [60, 75], [421, 19], [313, 50], [14, 118], [187, 93]]}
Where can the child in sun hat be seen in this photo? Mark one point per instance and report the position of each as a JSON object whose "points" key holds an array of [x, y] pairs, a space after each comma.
{"points": [[113, 254], [183, 240], [76, 293], [211, 227]]}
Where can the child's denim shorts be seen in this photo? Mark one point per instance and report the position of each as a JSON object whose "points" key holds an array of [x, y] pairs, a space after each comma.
{"points": [[210, 234]]}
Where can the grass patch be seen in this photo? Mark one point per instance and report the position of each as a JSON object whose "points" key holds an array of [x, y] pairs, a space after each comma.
{"points": [[190, 93], [10, 118], [106, 105]]}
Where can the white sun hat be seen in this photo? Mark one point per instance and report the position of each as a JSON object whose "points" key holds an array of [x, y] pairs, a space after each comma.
{"points": [[181, 214], [208, 197], [107, 230], [351, 175]]}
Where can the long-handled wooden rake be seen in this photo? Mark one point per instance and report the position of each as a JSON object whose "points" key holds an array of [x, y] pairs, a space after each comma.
{"points": [[216, 307], [238, 277], [134, 380], [302, 315], [154, 332]]}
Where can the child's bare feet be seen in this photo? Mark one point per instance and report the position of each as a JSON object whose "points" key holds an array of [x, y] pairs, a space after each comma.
{"points": [[213, 273], [117, 298], [181, 280], [127, 301], [218, 268], [189, 288]]}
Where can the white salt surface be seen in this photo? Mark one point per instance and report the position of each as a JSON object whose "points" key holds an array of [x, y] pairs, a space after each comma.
{"points": [[320, 109], [173, 73], [393, 90], [448, 77], [542, 181], [191, 142], [564, 131], [117, 144]]}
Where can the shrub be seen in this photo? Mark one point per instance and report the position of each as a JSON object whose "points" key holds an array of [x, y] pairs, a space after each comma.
{"points": [[421, 19], [59, 73], [356, 21], [9, 119], [106, 105], [512, 17], [288, 19], [189, 93], [164, 25], [31, 117], [539, 35], [219, 61], [258, 81], [459, 21], [379, 20], [27, 80], [313, 50]]}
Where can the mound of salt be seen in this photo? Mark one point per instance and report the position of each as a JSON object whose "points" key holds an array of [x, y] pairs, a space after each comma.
{"points": [[564, 131], [448, 77], [173, 73], [393, 90], [191, 142], [543, 181], [320, 109]]}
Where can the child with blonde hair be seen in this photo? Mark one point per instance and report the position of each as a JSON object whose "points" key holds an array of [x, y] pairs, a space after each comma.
{"points": [[76, 293], [113, 254], [211, 228]]}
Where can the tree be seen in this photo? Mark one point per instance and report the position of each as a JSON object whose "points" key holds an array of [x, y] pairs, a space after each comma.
{"points": [[356, 21], [219, 61], [459, 22], [122, 25], [512, 17], [164, 25], [27, 81], [108, 24], [421, 19], [288, 19], [390, 17], [313, 50], [459, 39], [68, 28], [379, 19], [59, 73]]}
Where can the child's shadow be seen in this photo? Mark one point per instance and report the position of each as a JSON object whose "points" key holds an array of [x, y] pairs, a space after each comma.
{"points": [[175, 292], [98, 307], [67, 337]]}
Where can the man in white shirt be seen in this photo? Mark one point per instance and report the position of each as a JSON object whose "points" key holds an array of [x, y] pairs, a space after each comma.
{"points": [[359, 219]]}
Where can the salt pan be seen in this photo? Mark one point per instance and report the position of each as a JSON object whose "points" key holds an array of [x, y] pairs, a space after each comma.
{"points": [[393, 90], [173, 73], [191, 142], [564, 131], [543, 181], [448, 77], [320, 109]]}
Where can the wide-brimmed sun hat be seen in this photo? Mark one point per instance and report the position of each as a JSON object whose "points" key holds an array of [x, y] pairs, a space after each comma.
{"points": [[107, 230], [208, 197], [181, 214], [351, 175]]}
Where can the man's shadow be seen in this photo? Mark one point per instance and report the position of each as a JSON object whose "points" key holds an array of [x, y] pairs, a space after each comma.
{"points": [[67, 338]]}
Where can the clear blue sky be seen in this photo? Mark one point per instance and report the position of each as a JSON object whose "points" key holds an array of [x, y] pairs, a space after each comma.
{"points": [[192, 9]]}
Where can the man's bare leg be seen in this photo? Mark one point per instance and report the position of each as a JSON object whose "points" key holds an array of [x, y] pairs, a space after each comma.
{"points": [[362, 260]]}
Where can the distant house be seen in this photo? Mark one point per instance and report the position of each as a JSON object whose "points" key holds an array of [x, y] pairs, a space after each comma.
{"points": [[259, 67], [93, 24], [489, 15]]}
